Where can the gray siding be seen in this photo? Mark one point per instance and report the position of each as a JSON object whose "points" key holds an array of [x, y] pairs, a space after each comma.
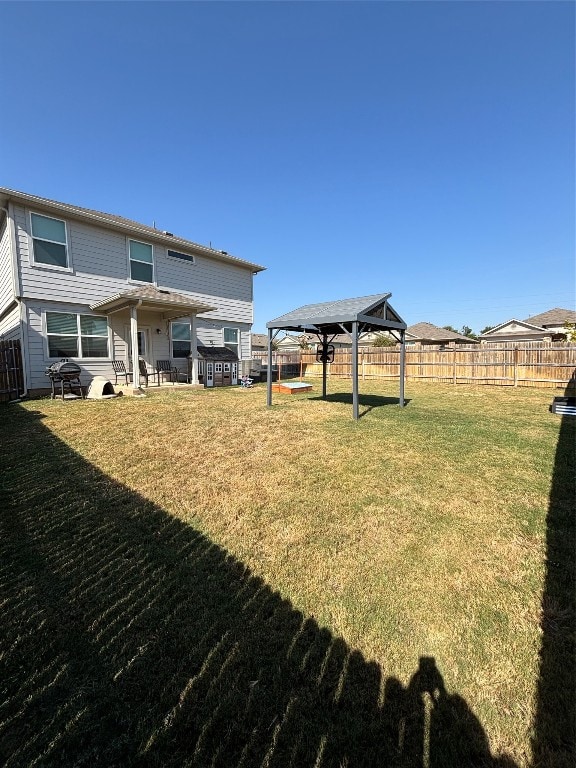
{"points": [[10, 324], [6, 269], [99, 269], [212, 334], [159, 345]]}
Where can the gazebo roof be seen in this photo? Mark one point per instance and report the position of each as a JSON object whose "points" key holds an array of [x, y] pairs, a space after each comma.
{"points": [[332, 317]]}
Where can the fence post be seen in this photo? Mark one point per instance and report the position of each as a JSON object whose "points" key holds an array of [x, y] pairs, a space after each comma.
{"points": [[454, 366], [515, 358]]}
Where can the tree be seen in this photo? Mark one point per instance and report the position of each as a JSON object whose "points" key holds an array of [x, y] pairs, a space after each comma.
{"points": [[449, 328], [486, 329], [303, 342], [383, 340], [467, 331], [570, 329]]}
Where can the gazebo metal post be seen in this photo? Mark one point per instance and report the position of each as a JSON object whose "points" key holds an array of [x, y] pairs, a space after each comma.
{"points": [[324, 363], [355, 409], [269, 373], [402, 365]]}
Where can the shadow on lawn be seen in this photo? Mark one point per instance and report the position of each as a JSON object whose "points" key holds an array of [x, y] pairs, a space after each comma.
{"points": [[130, 639], [368, 402], [554, 744]]}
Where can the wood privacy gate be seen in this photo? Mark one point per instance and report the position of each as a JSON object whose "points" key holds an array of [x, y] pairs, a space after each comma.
{"points": [[11, 371]]}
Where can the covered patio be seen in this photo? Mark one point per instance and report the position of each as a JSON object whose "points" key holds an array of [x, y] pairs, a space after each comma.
{"points": [[331, 318], [140, 320]]}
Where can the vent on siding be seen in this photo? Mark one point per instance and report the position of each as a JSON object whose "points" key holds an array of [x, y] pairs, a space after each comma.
{"points": [[183, 256]]}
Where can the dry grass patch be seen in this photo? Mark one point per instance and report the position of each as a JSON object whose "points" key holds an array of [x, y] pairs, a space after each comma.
{"points": [[412, 533]]}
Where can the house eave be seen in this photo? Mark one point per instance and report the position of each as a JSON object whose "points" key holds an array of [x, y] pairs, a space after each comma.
{"points": [[169, 309], [125, 226]]}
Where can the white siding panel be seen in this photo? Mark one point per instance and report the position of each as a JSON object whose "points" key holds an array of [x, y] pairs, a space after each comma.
{"points": [[6, 278], [10, 325]]}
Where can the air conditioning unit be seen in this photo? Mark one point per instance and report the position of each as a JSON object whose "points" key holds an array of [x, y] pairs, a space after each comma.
{"points": [[251, 368]]}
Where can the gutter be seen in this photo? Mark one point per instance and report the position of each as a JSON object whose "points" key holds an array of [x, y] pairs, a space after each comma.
{"points": [[141, 231]]}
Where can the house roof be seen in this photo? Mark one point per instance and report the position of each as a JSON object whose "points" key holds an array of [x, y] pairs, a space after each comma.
{"points": [[556, 316], [172, 304], [333, 316], [260, 340], [218, 353], [120, 223], [430, 332]]}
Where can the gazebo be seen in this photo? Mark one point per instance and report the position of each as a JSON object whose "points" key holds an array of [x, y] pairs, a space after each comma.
{"points": [[330, 318]]}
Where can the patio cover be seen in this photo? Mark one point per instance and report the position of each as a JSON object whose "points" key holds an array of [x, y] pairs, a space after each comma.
{"points": [[171, 305], [350, 316]]}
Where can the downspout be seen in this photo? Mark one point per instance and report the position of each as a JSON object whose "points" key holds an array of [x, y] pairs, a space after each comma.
{"points": [[17, 293]]}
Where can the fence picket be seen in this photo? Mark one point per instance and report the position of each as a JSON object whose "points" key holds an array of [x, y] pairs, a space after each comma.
{"points": [[541, 365]]}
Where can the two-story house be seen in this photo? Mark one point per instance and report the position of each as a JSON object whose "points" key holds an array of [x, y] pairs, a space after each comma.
{"points": [[95, 287], [547, 327]]}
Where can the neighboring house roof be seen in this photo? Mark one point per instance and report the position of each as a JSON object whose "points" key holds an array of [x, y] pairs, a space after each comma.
{"points": [[218, 353], [553, 317], [329, 316], [121, 223], [259, 341], [150, 297], [430, 332]]}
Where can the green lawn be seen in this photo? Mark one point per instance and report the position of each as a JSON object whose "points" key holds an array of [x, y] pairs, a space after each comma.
{"points": [[192, 578]]}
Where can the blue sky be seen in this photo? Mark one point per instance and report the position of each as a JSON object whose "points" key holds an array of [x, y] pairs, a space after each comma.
{"points": [[421, 148]]}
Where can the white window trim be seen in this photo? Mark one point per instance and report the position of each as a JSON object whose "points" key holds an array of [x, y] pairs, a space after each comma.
{"points": [[130, 260], [182, 322], [45, 335], [41, 264]]}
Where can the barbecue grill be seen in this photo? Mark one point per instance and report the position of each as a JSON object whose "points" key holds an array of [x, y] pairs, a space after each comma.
{"points": [[67, 374]]}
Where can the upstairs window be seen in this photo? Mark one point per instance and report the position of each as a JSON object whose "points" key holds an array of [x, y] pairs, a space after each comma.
{"points": [[49, 240], [231, 338], [141, 262], [80, 336], [181, 339]]}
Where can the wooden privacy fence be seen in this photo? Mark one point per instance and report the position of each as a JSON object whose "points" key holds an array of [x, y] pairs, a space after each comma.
{"points": [[525, 366], [11, 371]]}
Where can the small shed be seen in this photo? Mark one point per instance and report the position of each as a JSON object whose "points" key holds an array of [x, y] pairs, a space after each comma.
{"points": [[218, 366], [332, 318]]}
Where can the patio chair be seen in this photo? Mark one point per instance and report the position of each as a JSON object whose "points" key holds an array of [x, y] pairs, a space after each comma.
{"points": [[144, 372], [120, 370], [164, 367]]}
